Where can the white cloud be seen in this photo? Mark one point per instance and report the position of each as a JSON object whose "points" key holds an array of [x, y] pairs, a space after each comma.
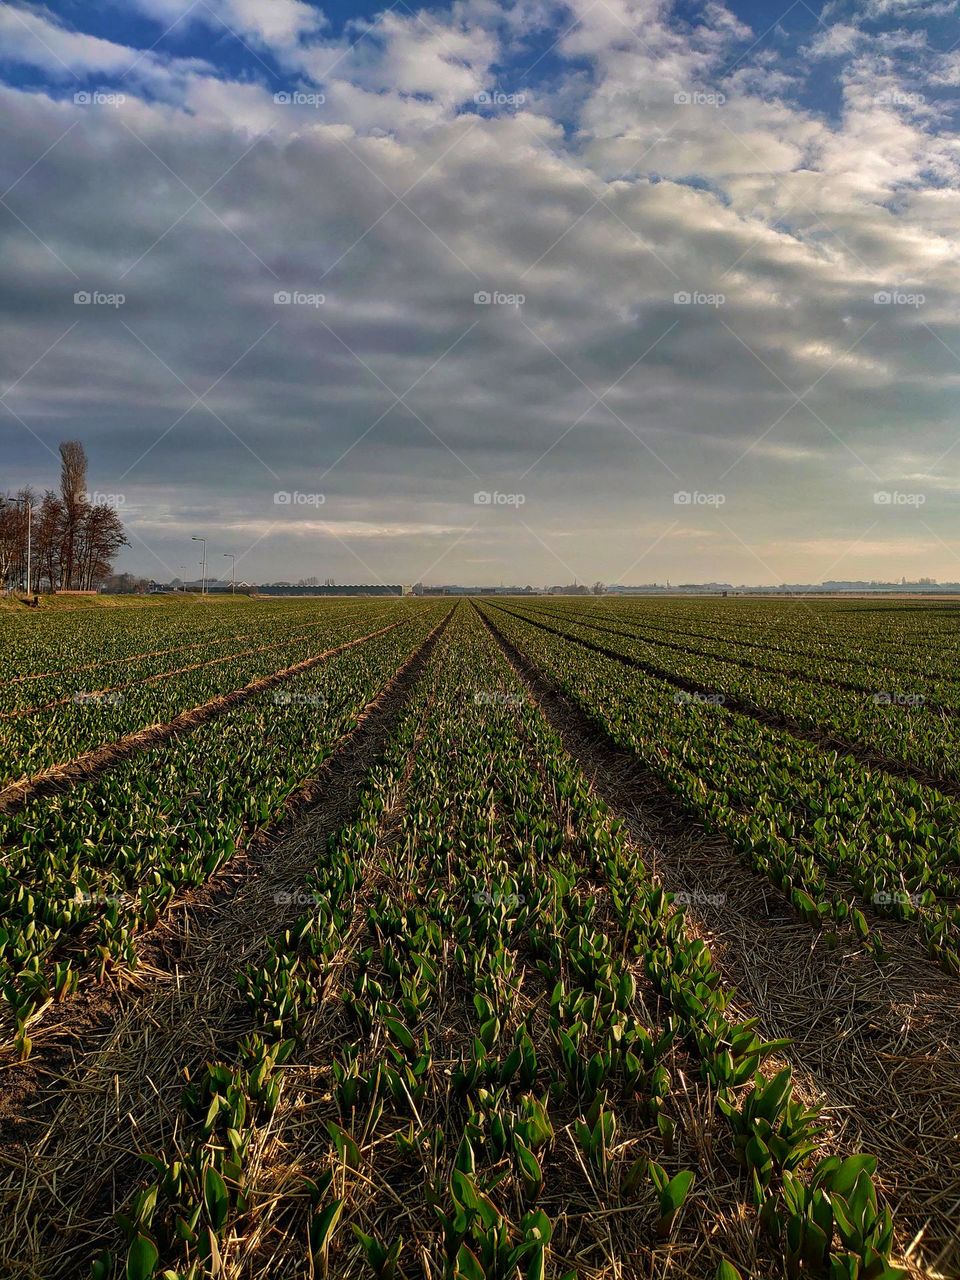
{"points": [[278, 23], [598, 199], [36, 38], [836, 41]]}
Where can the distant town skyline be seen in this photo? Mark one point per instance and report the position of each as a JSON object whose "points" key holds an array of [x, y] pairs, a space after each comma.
{"points": [[597, 588]]}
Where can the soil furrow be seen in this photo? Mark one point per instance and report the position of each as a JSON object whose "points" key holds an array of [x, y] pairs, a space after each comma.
{"points": [[93, 763], [93, 694], [880, 1044], [66, 1160], [762, 715], [866, 659]]}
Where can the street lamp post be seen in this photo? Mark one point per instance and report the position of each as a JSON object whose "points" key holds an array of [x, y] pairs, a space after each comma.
{"points": [[233, 571], [203, 563], [29, 542]]}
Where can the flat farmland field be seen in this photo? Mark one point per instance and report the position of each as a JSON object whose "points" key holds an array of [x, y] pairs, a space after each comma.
{"points": [[497, 938]]}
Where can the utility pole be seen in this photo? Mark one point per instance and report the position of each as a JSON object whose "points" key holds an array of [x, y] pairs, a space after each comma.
{"points": [[233, 571], [183, 579], [203, 564]]}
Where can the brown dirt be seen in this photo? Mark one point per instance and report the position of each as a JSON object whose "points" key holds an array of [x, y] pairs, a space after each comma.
{"points": [[93, 763], [879, 1045], [136, 657], [764, 715], [105, 1080]]}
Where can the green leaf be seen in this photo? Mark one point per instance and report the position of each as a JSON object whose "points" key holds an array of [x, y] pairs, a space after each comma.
{"points": [[322, 1226], [844, 1179], [142, 1257], [626, 989], [537, 1226], [727, 1271], [657, 1174], [347, 1149], [102, 1268], [860, 925], [370, 1245], [216, 1198], [463, 1190], [465, 1159], [675, 1192], [537, 1267], [401, 1034], [529, 1165], [468, 1265]]}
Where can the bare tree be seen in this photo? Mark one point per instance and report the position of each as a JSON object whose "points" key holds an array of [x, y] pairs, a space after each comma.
{"points": [[9, 538], [73, 542], [48, 536], [100, 536], [73, 495], [13, 537]]}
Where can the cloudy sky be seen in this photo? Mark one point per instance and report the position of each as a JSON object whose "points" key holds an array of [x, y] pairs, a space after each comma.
{"points": [[608, 289]]}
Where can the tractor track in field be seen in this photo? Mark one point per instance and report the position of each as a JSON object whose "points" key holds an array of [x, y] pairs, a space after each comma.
{"points": [[16, 713], [99, 760], [62, 1163], [111, 662], [776, 720], [64, 672], [93, 694], [746, 664], [880, 1045]]}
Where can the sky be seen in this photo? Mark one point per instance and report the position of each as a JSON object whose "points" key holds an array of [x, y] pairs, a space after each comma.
{"points": [[482, 292]]}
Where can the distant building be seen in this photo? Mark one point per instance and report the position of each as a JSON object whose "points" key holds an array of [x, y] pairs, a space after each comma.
{"points": [[287, 589]]}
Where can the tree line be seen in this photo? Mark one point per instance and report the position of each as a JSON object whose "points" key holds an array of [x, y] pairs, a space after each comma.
{"points": [[73, 541]]}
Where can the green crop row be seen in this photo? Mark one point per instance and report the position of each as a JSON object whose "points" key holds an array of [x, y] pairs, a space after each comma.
{"points": [[93, 708], [802, 816], [914, 637], [83, 872], [46, 656], [500, 1000], [899, 717]]}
